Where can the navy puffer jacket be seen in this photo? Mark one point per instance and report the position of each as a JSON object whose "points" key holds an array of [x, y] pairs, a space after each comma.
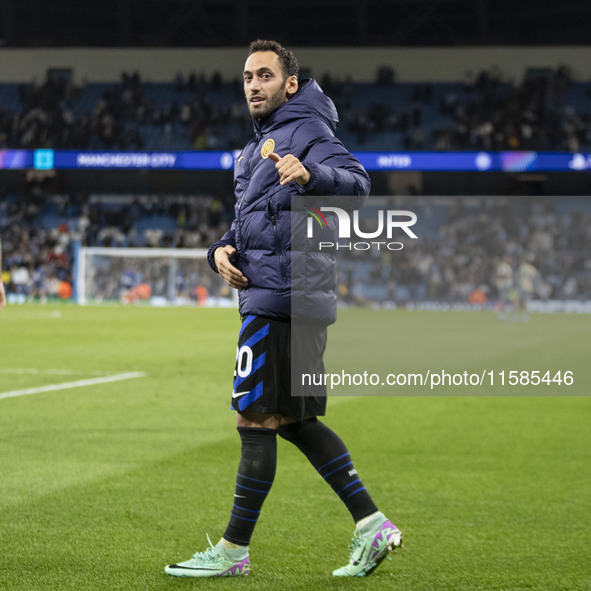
{"points": [[291, 278]]}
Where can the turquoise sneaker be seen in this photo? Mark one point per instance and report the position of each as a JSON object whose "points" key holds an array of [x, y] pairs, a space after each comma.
{"points": [[214, 562], [368, 551]]}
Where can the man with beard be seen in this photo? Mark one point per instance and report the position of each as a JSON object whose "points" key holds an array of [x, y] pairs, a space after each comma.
{"points": [[293, 160]]}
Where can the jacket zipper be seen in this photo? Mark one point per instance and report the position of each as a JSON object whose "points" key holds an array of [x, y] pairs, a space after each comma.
{"points": [[243, 256], [278, 244]]}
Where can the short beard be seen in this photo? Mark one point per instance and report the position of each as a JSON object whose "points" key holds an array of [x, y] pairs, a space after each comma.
{"points": [[273, 103]]}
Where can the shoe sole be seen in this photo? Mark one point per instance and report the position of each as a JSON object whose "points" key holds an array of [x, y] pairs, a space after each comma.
{"points": [[203, 575], [187, 573]]}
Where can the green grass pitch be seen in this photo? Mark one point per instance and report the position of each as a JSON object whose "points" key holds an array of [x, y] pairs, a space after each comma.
{"points": [[102, 485]]}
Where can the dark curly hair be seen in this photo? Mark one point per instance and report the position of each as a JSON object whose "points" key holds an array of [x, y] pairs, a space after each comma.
{"points": [[288, 61]]}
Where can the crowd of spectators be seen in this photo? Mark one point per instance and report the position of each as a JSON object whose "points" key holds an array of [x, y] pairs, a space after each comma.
{"points": [[532, 115], [483, 111], [462, 240], [188, 114], [456, 256], [37, 261], [40, 228]]}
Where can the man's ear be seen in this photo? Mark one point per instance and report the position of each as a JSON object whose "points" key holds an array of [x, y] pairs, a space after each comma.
{"points": [[291, 86]]}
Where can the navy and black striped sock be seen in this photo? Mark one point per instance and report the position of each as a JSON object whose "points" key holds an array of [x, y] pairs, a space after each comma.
{"points": [[330, 456], [256, 472]]}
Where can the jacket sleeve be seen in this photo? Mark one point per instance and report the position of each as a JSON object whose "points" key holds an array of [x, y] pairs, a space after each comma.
{"points": [[334, 171], [227, 238]]}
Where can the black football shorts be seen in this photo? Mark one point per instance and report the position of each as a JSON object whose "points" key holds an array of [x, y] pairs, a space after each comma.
{"points": [[271, 356]]}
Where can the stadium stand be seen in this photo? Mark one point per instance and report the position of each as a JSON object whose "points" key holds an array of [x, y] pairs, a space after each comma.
{"points": [[546, 110], [552, 233]]}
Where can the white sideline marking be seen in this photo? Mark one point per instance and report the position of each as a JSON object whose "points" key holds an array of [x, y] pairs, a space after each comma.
{"points": [[61, 372], [77, 384]]}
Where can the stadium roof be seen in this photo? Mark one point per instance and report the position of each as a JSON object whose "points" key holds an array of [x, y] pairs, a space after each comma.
{"points": [[202, 23]]}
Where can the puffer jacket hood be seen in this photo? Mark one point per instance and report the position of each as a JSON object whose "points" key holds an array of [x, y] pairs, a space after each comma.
{"points": [[288, 276]]}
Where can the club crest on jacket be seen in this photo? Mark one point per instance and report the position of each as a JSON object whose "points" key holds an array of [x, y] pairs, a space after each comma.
{"points": [[267, 148]]}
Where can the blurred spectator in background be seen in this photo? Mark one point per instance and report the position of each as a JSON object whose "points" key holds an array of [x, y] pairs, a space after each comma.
{"points": [[2, 290], [504, 285], [526, 277]]}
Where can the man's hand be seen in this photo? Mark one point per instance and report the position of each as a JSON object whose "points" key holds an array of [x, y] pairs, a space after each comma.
{"points": [[290, 169], [229, 273]]}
